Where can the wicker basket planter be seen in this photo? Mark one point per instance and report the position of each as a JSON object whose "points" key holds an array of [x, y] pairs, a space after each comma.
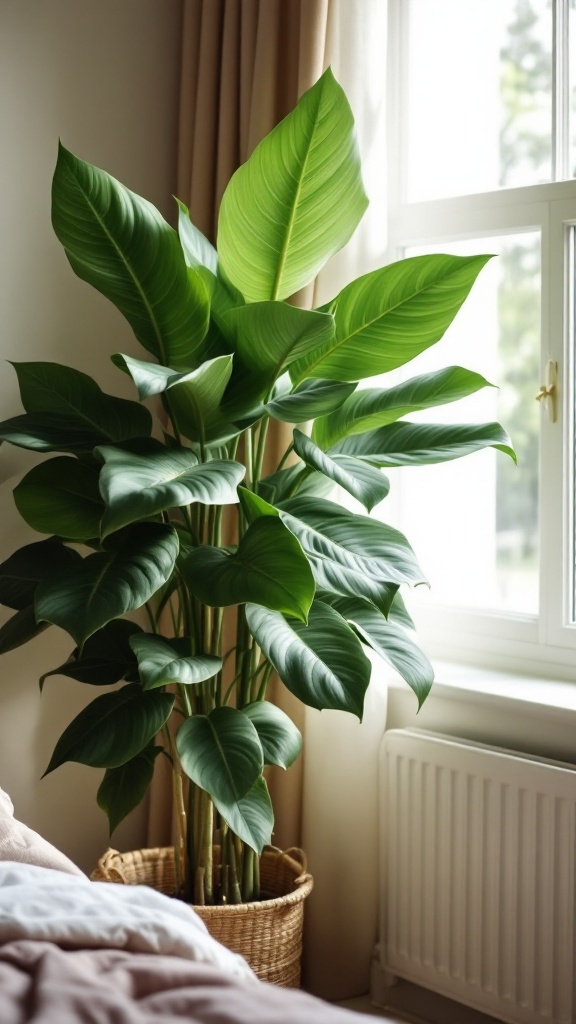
{"points": [[268, 933]]}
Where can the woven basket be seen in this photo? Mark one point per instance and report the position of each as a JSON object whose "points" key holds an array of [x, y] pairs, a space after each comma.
{"points": [[268, 933]]}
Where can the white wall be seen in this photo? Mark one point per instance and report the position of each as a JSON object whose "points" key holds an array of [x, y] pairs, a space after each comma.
{"points": [[103, 76]]}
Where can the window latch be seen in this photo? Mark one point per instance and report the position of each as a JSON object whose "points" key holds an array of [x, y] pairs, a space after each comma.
{"points": [[549, 390]]}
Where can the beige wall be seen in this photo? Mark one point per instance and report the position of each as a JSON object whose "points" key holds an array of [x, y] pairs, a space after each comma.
{"points": [[103, 76]]}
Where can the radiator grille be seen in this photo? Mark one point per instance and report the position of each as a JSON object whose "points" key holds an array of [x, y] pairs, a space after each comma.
{"points": [[479, 855]]}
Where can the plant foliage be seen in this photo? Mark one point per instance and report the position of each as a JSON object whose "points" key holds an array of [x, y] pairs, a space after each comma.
{"points": [[206, 530]]}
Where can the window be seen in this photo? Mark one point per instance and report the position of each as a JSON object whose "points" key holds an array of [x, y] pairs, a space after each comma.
{"points": [[482, 142]]}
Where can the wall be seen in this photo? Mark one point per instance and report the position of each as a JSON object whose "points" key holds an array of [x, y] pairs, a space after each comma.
{"points": [[104, 78]]}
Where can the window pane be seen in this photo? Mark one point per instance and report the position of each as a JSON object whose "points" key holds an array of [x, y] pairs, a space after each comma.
{"points": [[473, 522], [479, 86]]}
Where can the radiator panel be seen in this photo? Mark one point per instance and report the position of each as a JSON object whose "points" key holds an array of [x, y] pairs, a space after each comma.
{"points": [[479, 855]]}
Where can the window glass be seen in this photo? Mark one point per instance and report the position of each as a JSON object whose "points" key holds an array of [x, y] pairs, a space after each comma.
{"points": [[479, 93], [478, 539]]}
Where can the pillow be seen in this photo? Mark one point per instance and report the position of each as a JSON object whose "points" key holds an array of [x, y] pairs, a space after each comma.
{"points": [[19, 843]]}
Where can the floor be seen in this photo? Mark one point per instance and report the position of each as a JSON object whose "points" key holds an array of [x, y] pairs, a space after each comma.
{"points": [[362, 1004]]}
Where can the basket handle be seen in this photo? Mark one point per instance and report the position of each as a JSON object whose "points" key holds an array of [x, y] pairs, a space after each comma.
{"points": [[107, 871]]}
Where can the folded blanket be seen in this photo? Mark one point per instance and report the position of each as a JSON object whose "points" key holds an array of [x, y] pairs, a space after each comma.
{"points": [[22, 844], [73, 912]]}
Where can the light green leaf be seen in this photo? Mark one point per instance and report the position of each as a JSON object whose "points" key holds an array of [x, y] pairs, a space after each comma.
{"points": [[61, 497], [113, 728], [296, 201], [310, 399], [162, 662], [198, 251], [281, 740], [362, 481], [194, 400], [252, 817], [120, 244], [271, 335], [136, 486], [388, 316], [221, 753], [375, 407], [417, 444], [391, 641], [109, 583], [350, 554], [123, 788], [268, 568], [322, 664]]}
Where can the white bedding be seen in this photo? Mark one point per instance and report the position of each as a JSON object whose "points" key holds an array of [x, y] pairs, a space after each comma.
{"points": [[71, 911]]}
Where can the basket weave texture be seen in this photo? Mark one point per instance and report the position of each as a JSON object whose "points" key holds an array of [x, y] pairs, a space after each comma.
{"points": [[268, 933]]}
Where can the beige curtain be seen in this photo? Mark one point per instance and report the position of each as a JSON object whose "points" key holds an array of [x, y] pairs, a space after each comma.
{"points": [[244, 65]]}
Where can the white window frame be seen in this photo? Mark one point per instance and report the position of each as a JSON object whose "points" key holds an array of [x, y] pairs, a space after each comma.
{"points": [[545, 644]]}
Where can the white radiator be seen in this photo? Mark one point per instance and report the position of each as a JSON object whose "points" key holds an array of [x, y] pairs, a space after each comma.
{"points": [[478, 876]]}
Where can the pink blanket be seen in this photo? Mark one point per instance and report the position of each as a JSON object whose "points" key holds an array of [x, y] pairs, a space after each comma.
{"points": [[43, 984]]}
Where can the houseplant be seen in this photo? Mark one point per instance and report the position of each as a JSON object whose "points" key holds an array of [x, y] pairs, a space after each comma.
{"points": [[170, 504]]}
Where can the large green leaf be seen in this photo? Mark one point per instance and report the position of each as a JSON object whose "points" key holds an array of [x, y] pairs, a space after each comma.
{"points": [[268, 568], [351, 554], [162, 662], [251, 817], [365, 483], [281, 740], [375, 407], [109, 583], [296, 201], [105, 658], [67, 411], [417, 444], [122, 788], [322, 663], [199, 252], [391, 641], [113, 728], [120, 244], [135, 486], [21, 573], [310, 399], [221, 753], [61, 497], [271, 335], [388, 316]]}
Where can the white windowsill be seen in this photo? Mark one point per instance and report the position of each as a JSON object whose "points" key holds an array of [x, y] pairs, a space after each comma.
{"points": [[544, 693]]}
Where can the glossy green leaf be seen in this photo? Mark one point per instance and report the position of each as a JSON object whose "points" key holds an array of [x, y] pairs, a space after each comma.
{"points": [[120, 244], [417, 444], [365, 483], [105, 658], [21, 573], [322, 664], [162, 662], [375, 407], [268, 568], [281, 740], [113, 728], [352, 554], [221, 753], [251, 818], [388, 316], [271, 335], [61, 497], [296, 201], [194, 401], [72, 405], [391, 641], [135, 486], [123, 788], [110, 583], [19, 629], [198, 251], [310, 399]]}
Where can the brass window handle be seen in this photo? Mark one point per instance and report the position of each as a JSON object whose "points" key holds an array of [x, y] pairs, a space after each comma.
{"points": [[549, 390]]}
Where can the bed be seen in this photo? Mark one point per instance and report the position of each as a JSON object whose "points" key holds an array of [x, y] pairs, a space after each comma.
{"points": [[74, 951]]}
